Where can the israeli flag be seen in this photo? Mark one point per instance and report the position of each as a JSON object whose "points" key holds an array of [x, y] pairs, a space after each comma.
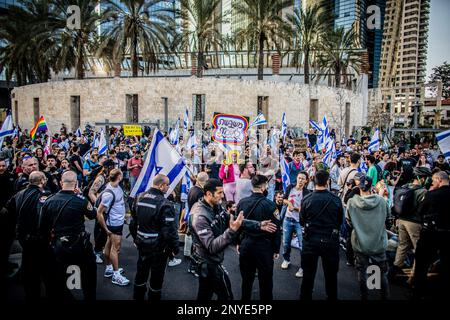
{"points": [[102, 146], [174, 135], [325, 128], [96, 141], [192, 142], [284, 172], [315, 125], [308, 144], [78, 132], [283, 126], [330, 154], [363, 166], [273, 139], [259, 120], [161, 158], [374, 144], [7, 129], [443, 140], [186, 184], [186, 120]]}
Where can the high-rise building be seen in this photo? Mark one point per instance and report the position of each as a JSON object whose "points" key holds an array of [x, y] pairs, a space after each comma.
{"points": [[404, 53]]}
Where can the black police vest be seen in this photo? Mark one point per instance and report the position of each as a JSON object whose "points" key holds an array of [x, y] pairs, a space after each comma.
{"points": [[148, 214]]}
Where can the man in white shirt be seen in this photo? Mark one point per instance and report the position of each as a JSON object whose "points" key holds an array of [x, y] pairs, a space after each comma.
{"points": [[348, 173], [111, 216], [244, 186]]}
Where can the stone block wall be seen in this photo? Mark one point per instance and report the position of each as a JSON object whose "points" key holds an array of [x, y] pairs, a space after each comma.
{"points": [[102, 99]]}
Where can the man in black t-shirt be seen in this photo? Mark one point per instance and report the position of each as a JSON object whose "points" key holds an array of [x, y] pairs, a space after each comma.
{"points": [[441, 163], [76, 163]]}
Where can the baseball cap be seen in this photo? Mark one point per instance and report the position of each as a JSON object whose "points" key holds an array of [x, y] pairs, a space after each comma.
{"points": [[365, 183], [108, 163]]}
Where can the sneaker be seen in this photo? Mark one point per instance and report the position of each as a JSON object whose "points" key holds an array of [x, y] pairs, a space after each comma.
{"points": [[120, 280], [174, 262], [109, 272], [299, 273], [98, 258], [285, 264]]}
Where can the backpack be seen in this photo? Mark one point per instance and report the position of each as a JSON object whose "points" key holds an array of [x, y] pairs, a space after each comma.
{"points": [[404, 201], [86, 189], [379, 172], [99, 201]]}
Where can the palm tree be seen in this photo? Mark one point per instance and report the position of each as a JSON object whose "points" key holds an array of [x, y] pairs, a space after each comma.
{"points": [[338, 53], [200, 32], [141, 28], [309, 26], [73, 47], [264, 26], [25, 32]]}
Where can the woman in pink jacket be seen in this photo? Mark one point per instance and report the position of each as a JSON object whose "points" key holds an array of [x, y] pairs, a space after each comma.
{"points": [[229, 172]]}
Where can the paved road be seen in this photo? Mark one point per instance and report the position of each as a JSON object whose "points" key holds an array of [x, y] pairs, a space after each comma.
{"points": [[181, 285]]}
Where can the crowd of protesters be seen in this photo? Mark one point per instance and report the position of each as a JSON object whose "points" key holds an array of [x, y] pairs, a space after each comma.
{"points": [[384, 208]]}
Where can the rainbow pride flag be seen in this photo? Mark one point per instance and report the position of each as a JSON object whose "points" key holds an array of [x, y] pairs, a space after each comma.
{"points": [[41, 125]]}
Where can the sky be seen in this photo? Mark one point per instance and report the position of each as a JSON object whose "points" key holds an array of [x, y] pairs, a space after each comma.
{"points": [[439, 35]]}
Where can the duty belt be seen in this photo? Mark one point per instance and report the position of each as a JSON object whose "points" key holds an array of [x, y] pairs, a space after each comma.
{"points": [[147, 235]]}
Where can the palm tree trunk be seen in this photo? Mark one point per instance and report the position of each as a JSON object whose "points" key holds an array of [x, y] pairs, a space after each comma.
{"points": [[134, 57], [199, 64], [261, 57], [306, 66], [337, 76], [117, 68], [80, 58]]}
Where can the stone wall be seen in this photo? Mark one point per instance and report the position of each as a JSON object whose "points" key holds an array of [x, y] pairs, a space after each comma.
{"points": [[102, 99]]}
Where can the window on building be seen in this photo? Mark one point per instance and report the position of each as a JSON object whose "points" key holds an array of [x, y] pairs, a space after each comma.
{"points": [[132, 108], [16, 112], [263, 107], [36, 111], [314, 109], [198, 103], [75, 112]]}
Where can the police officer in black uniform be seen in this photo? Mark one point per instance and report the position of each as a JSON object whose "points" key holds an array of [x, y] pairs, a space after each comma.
{"points": [[29, 165], [322, 217], [258, 250], [212, 231], [25, 207], [434, 241], [7, 221], [155, 233], [62, 225]]}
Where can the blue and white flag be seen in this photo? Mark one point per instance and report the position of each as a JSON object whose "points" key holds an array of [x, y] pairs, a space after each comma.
{"points": [[330, 154], [283, 126], [374, 144], [78, 132], [192, 142], [363, 166], [102, 146], [324, 134], [259, 120], [186, 120], [161, 158], [315, 125], [7, 129], [284, 168], [174, 135], [308, 144], [443, 140], [96, 140], [186, 184]]}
